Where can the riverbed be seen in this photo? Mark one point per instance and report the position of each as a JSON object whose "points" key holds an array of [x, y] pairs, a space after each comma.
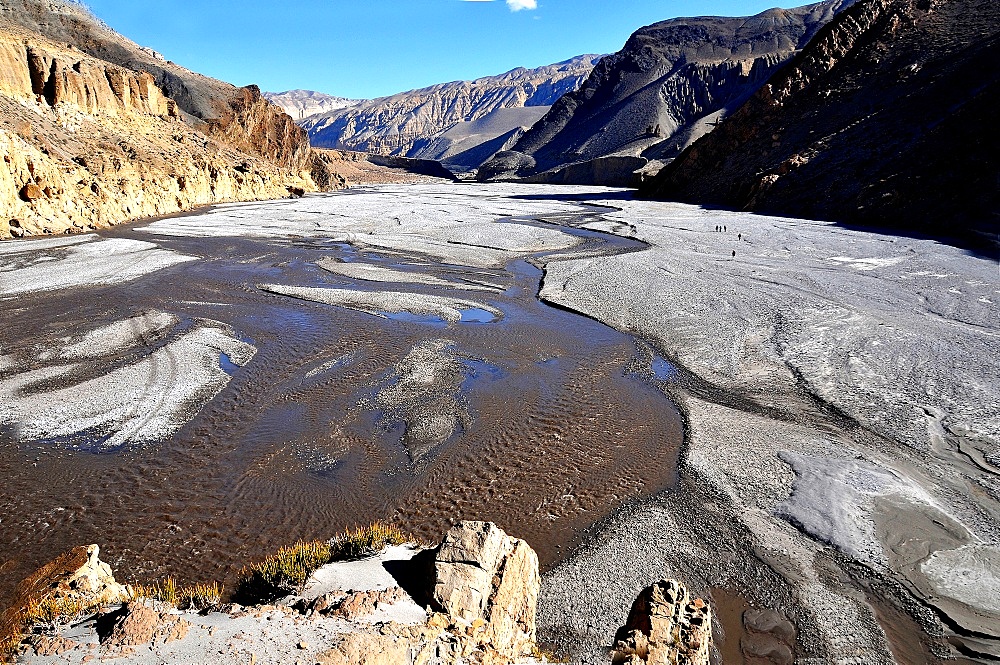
{"points": [[195, 392], [796, 419]]}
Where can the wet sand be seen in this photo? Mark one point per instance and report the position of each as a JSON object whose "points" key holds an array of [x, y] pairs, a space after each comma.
{"points": [[556, 418]]}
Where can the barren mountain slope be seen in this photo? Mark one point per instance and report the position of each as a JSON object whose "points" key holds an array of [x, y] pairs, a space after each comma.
{"points": [[648, 98], [886, 118], [393, 125]]}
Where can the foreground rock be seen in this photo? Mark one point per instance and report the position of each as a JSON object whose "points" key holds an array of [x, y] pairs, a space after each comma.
{"points": [[665, 627], [470, 600], [484, 577], [77, 579]]}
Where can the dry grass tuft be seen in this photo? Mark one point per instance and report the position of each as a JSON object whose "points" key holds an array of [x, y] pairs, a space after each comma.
{"points": [[200, 596], [192, 597], [366, 540], [288, 570], [9, 645], [284, 572]]}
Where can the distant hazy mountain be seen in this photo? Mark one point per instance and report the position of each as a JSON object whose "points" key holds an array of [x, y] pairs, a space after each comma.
{"points": [[394, 125], [887, 118], [303, 103], [669, 84]]}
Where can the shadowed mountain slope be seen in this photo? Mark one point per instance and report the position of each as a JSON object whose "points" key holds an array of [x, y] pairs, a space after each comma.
{"points": [[885, 119]]}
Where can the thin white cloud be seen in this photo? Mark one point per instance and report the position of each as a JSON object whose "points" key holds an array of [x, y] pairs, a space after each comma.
{"points": [[515, 5]]}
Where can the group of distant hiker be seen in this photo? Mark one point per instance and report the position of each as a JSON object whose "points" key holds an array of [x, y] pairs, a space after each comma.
{"points": [[721, 228]]}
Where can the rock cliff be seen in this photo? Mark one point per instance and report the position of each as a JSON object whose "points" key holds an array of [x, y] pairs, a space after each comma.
{"points": [[394, 125], [882, 120], [208, 104], [96, 130], [86, 144], [669, 84]]}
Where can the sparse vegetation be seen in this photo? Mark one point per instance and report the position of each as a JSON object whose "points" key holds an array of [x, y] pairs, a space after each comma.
{"points": [[200, 596], [547, 655], [288, 570], [191, 597], [55, 611], [8, 647], [366, 540], [283, 572]]}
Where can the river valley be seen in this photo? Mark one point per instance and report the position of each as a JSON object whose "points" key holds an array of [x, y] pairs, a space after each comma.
{"points": [[788, 415]]}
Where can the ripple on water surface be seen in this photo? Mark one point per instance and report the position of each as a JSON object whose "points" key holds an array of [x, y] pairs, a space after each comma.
{"points": [[557, 433]]}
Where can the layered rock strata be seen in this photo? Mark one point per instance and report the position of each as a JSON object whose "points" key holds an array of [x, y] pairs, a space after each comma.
{"points": [[240, 117]]}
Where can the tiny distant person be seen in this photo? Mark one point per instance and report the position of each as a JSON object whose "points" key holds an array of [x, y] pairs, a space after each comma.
{"points": [[739, 236], [734, 253]]}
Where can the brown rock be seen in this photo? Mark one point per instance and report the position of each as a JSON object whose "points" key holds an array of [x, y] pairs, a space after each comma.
{"points": [[363, 603], [43, 645], [368, 649], [137, 624], [483, 574], [665, 627], [31, 192]]}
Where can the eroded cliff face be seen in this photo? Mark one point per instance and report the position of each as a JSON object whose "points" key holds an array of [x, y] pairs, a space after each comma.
{"points": [[86, 144], [238, 116], [882, 120], [393, 125], [669, 84], [250, 123]]}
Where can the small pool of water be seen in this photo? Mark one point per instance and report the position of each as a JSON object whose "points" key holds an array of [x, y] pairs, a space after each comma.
{"points": [[663, 369], [477, 315], [227, 364]]}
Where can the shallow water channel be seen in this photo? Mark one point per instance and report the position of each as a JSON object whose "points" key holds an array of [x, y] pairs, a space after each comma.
{"points": [[541, 420]]}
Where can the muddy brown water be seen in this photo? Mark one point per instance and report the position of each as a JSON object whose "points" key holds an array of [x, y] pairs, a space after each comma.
{"points": [[567, 420]]}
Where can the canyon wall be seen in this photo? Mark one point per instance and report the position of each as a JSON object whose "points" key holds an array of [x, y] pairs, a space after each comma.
{"points": [[883, 120]]}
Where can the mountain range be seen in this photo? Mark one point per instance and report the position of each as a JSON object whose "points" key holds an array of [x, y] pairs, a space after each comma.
{"points": [[407, 123], [301, 104]]}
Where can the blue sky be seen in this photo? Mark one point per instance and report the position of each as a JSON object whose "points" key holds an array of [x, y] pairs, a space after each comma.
{"points": [[369, 48]]}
